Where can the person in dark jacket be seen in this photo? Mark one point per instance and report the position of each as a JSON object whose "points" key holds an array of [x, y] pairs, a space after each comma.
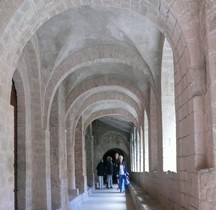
{"points": [[109, 171], [100, 172], [115, 169]]}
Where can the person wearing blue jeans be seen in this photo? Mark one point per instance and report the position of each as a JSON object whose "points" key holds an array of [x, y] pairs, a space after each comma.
{"points": [[122, 170], [122, 183]]}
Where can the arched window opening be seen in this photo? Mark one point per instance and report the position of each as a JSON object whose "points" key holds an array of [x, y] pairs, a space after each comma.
{"points": [[141, 150], [138, 150], [135, 149], [146, 137], [168, 110], [132, 152]]}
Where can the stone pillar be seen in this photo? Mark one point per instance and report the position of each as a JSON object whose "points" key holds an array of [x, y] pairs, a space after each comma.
{"points": [[146, 140], [6, 160], [58, 152], [54, 154], [48, 169], [70, 160], [141, 147], [40, 170], [89, 156], [73, 174], [136, 150], [153, 143], [62, 153], [79, 157], [92, 159], [199, 139], [131, 152], [63, 171]]}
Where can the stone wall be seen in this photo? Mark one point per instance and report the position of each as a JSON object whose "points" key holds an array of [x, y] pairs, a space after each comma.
{"points": [[207, 189]]}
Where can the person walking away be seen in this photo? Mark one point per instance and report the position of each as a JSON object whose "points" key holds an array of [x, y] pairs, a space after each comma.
{"points": [[100, 172]]}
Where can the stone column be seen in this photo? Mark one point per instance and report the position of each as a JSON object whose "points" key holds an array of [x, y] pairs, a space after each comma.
{"points": [[54, 154], [131, 152], [7, 154], [92, 159], [79, 159], [48, 169], [146, 140], [58, 152], [62, 165], [153, 143], [138, 150], [135, 149], [70, 160], [199, 138], [89, 157], [63, 171], [40, 170]]}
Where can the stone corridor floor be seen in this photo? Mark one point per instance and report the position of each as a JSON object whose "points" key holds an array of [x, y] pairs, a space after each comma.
{"points": [[108, 199]]}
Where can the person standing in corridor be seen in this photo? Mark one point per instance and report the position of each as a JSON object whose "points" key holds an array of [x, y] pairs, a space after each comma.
{"points": [[109, 173], [115, 169], [100, 172]]}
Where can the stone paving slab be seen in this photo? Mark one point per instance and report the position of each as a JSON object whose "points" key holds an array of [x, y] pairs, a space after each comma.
{"points": [[108, 199]]}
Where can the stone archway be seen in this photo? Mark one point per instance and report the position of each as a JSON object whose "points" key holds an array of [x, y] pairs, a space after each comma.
{"points": [[110, 140], [111, 153], [107, 142]]}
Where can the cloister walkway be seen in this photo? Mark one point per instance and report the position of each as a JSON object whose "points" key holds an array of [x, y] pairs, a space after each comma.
{"points": [[108, 199]]}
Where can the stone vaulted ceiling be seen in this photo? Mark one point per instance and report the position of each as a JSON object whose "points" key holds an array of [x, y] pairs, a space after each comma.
{"points": [[128, 61]]}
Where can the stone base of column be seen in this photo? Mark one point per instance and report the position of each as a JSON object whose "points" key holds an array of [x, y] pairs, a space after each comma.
{"points": [[74, 192]]}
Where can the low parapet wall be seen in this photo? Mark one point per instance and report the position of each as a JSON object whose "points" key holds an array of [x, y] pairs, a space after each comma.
{"points": [[142, 200]]}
